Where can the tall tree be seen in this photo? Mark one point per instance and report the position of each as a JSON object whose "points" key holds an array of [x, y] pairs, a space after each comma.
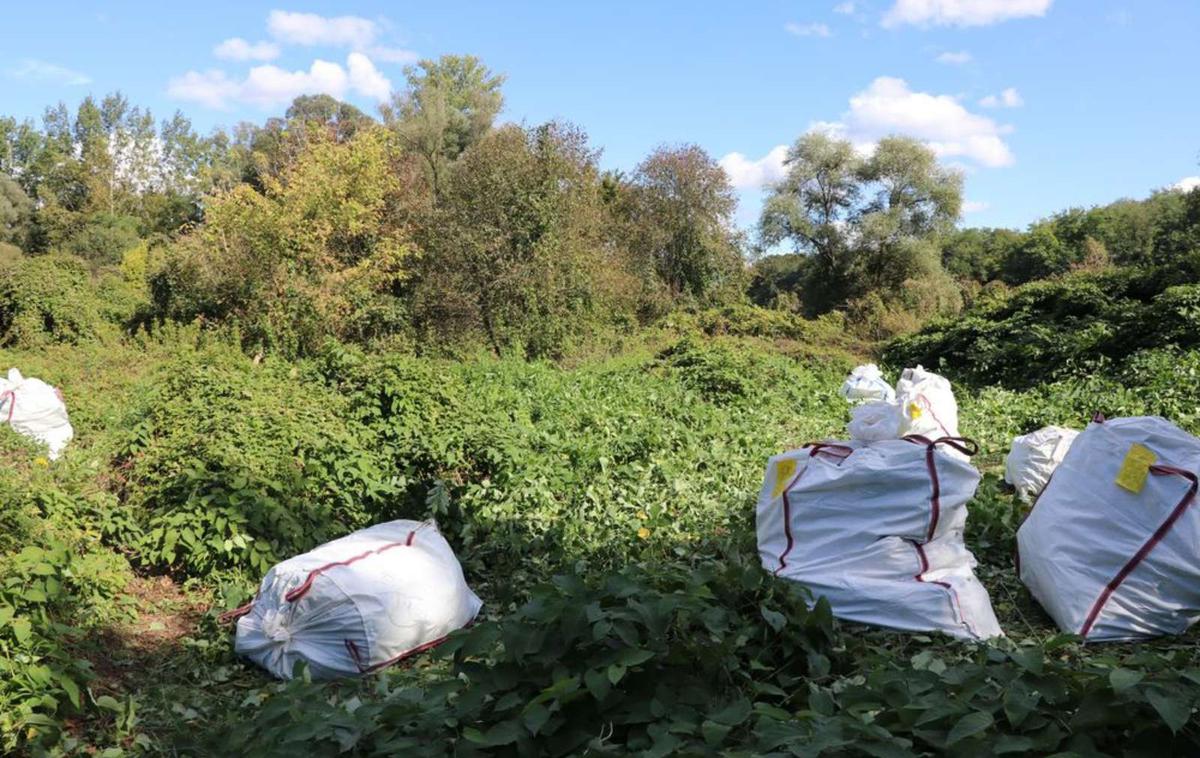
{"points": [[16, 212], [682, 207], [813, 207], [516, 249], [447, 106], [868, 223]]}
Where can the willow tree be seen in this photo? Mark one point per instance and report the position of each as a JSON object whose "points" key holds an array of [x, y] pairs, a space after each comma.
{"points": [[869, 224]]}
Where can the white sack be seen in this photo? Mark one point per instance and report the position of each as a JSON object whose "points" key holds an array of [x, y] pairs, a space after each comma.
{"points": [[1079, 547], [358, 603], [35, 409], [858, 524], [866, 382], [873, 421], [927, 404], [1034, 457]]}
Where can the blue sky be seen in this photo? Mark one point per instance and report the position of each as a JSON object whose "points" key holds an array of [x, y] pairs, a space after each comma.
{"points": [[1045, 104]]}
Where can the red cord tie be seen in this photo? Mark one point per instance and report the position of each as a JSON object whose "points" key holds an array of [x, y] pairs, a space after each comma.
{"points": [[832, 449], [1150, 544], [298, 592]]}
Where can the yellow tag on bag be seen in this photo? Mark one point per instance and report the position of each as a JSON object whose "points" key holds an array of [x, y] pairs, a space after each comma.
{"points": [[1136, 467], [784, 470]]}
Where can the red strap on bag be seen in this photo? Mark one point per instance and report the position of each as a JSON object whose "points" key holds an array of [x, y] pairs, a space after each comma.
{"points": [[963, 445], [8, 397], [298, 592], [1144, 550], [832, 449]]}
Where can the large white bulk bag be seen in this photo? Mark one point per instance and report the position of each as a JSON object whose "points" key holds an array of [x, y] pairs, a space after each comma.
{"points": [[877, 529], [1034, 457], [358, 603], [36, 410], [927, 404], [875, 420], [1111, 563], [866, 382]]}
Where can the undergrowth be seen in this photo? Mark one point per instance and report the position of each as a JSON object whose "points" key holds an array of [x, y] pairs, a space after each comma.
{"points": [[605, 514]]}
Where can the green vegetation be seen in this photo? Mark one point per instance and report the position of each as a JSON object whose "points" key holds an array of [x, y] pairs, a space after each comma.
{"points": [[271, 337]]}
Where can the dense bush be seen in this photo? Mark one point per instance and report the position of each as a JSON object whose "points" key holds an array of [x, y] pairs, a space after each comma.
{"points": [[228, 463], [529, 467], [56, 585], [1063, 327], [659, 659], [47, 299]]}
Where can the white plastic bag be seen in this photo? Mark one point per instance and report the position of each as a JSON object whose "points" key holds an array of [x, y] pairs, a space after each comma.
{"points": [[927, 404], [35, 409], [1034, 457], [866, 382], [877, 529], [358, 603], [1110, 563], [873, 421]]}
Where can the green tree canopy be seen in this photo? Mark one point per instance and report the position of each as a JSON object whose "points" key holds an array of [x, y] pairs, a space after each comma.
{"points": [[682, 207], [867, 222], [447, 106]]}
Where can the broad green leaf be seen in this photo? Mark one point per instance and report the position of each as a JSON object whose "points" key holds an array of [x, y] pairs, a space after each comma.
{"points": [[70, 687], [734, 713], [535, 717], [22, 630], [1174, 710], [1123, 679], [774, 618], [615, 673], [968, 726]]}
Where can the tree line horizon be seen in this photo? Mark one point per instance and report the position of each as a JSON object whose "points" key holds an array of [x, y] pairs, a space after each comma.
{"points": [[433, 228]]}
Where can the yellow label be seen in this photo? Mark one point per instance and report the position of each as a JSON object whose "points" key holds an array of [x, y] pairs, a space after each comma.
{"points": [[1135, 467], [914, 411], [784, 471]]}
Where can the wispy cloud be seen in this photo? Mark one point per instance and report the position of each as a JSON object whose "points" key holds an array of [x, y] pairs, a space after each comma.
{"points": [[355, 32], [954, 58], [974, 206], [807, 30], [238, 49], [33, 70], [1009, 98], [846, 8], [962, 12]]}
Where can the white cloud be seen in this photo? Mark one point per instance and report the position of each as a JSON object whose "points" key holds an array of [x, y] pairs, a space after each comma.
{"points": [[954, 58], [355, 32], [393, 54], [238, 49], [807, 30], [270, 86], [888, 106], [845, 9], [1186, 184], [962, 12], [974, 206], [211, 88], [1009, 98], [366, 79], [311, 29], [34, 70], [750, 174]]}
